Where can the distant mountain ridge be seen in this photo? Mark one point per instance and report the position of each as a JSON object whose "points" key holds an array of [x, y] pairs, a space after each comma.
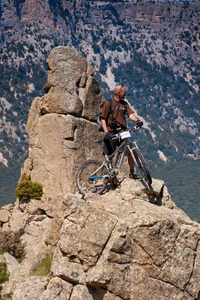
{"points": [[153, 48]]}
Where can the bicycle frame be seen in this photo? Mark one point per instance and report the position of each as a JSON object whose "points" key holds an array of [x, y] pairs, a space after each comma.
{"points": [[120, 156], [104, 163], [119, 159], [109, 164]]}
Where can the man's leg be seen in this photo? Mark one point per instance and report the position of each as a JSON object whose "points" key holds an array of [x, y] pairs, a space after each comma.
{"points": [[131, 163]]}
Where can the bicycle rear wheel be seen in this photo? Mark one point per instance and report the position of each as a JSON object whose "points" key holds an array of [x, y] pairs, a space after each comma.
{"points": [[92, 177], [142, 165]]}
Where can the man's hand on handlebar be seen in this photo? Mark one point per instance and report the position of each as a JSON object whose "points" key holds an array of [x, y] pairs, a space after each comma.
{"points": [[139, 123]]}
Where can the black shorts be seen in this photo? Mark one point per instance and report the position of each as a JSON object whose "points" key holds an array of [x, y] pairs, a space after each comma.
{"points": [[110, 145]]}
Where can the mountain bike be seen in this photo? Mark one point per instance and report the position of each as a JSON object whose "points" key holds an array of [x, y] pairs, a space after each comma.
{"points": [[94, 175]]}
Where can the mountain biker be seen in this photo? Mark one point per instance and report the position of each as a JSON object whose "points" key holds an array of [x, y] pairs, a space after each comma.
{"points": [[113, 121]]}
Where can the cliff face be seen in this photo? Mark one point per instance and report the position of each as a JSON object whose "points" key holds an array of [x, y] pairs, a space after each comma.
{"points": [[115, 246], [61, 124]]}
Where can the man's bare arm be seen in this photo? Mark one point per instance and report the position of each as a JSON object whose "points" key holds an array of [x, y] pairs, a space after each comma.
{"points": [[103, 124], [133, 118]]}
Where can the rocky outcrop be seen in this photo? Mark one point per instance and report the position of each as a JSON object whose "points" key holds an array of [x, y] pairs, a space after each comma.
{"points": [[129, 243], [62, 124], [115, 246]]}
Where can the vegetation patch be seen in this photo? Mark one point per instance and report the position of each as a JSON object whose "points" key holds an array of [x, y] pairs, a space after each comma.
{"points": [[7, 296], [4, 276], [27, 189], [43, 267], [10, 242]]}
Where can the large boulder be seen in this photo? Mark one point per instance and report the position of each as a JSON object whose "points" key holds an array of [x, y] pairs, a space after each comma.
{"points": [[122, 243], [71, 88]]}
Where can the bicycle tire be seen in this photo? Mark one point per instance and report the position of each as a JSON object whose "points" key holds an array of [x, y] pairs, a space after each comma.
{"points": [[84, 181], [142, 165]]}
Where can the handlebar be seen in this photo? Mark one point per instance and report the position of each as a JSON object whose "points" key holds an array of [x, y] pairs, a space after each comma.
{"points": [[117, 135], [134, 128]]}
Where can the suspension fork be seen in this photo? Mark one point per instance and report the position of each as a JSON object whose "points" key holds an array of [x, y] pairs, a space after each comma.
{"points": [[130, 147]]}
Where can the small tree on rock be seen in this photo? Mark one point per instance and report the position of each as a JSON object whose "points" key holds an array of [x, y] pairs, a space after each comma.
{"points": [[26, 189]]}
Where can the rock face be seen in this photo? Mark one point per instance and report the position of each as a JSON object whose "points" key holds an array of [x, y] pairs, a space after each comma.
{"points": [[115, 246], [110, 247], [61, 124]]}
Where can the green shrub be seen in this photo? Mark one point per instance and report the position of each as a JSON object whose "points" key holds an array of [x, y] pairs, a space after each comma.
{"points": [[26, 189]]}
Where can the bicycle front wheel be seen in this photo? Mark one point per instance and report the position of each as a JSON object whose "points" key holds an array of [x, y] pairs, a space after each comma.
{"points": [[92, 177], [142, 165]]}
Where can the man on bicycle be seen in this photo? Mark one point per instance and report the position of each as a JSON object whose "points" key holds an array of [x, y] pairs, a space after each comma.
{"points": [[113, 121]]}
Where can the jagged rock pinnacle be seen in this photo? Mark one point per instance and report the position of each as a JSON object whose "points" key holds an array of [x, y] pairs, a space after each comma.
{"points": [[61, 124]]}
